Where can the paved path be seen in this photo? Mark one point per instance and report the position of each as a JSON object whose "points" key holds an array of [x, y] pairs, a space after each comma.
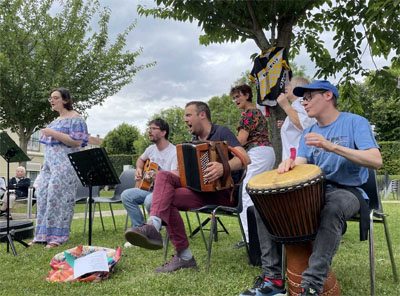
{"points": [[22, 216]]}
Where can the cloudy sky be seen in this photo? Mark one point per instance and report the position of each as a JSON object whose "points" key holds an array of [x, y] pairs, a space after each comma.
{"points": [[185, 70]]}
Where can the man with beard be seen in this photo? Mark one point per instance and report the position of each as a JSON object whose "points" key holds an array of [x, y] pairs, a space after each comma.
{"points": [[163, 153], [169, 197]]}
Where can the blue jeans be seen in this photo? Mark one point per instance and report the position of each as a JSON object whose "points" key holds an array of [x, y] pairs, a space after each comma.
{"points": [[132, 198], [340, 205]]}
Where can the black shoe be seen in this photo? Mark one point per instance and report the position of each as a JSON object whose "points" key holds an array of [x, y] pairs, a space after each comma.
{"points": [[309, 291]]}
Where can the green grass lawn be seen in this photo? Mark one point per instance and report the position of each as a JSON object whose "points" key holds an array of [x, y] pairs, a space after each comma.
{"points": [[229, 274]]}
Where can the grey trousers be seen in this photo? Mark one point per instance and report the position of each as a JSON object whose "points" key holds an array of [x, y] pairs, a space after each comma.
{"points": [[340, 206]]}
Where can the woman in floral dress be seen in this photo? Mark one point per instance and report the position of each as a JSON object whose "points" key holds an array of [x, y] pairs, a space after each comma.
{"points": [[57, 182], [253, 135]]}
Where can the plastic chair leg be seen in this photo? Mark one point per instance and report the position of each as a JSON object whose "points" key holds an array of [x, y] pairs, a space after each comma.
{"points": [[112, 216], [390, 249], [100, 214], [371, 255]]}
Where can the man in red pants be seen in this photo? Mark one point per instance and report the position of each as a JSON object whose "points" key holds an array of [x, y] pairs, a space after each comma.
{"points": [[169, 197]]}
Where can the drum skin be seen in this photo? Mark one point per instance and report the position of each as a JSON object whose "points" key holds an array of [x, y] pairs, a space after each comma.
{"points": [[290, 205]]}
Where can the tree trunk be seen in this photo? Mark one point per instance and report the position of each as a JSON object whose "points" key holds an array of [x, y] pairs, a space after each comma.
{"points": [[23, 144]]}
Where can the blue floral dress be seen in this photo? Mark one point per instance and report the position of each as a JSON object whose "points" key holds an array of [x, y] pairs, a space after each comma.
{"points": [[57, 182]]}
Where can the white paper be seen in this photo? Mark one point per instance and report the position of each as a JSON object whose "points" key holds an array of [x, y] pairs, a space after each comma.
{"points": [[96, 261]]}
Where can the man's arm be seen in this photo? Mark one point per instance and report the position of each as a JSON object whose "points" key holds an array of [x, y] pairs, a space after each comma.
{"points": [[370, 158], [283, 101], [215, 170], [236, 163], [139, 168]]}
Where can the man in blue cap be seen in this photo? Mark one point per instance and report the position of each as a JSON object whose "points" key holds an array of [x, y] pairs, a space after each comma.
{"points": [[343, 146]]}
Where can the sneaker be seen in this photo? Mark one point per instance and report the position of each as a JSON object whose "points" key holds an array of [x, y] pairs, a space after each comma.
{"points": [[268, 288], [145, 236], [309, 291], [258, 281], [240, 245], [175, 264], [128, 245]]}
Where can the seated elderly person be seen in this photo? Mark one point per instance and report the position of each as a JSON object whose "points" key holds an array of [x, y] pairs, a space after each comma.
{"points": [[2, 187], [18, 187]]}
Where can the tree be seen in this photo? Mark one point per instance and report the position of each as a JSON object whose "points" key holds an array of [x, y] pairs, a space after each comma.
{"points": [[140, 144], [355, 25], [224, 112], [41, 49], [178, 131], [120, 140]]}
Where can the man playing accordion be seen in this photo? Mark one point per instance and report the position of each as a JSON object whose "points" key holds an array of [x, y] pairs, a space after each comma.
{"points": [[169, 197]]}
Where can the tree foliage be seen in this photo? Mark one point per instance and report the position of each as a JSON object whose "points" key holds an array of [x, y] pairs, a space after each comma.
{"points": [[378, 101], [46, 44], [178, 131], [224, 112], [355, 27], [120, 140]]}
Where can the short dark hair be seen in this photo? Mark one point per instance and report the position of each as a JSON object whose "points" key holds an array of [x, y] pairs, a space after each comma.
{"points": [[201, 106], [65, 95], [162, 124], [244, 89]]}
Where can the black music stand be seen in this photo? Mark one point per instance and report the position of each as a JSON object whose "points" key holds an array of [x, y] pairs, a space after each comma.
{"points": [[93, 168], [10, 151]]}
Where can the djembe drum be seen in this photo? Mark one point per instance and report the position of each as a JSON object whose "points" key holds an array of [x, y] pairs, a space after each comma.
{"points": [[290, 205]]}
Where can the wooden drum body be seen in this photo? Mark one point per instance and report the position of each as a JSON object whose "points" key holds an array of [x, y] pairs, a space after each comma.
{"points": [[290, 205]]}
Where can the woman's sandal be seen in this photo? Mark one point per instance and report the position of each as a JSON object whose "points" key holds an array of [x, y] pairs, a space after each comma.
{"points": [[51, 245], [31, 243]]}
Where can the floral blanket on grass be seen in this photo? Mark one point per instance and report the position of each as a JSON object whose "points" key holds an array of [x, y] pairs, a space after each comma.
{"points": [[62, 270]]}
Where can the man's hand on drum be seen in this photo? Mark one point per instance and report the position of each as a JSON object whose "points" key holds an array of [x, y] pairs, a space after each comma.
{"points": [[214, 171], [286, 165], [314, 139]]}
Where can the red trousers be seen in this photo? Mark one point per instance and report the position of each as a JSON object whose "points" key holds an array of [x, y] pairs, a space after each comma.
{"points": [[169, 197]]}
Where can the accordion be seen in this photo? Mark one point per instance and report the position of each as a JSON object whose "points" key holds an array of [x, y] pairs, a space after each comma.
{"points": [[193, 159]]}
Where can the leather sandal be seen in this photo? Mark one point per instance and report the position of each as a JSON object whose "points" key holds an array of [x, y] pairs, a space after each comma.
{"points": [[51, 245], [31, 243]]}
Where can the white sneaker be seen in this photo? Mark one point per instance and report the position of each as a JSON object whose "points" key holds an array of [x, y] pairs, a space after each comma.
{"points": [[128, 245]]}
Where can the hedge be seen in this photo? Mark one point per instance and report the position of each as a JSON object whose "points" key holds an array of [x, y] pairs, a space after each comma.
{"points": [[390, 153], [119, 160], [391, 157]]}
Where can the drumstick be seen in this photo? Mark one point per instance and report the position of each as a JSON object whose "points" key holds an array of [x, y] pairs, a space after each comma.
{"points": [[293, 153]]}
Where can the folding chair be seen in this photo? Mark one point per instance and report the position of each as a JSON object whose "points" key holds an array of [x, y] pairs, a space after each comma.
{"points": [[82, 197], [216, 210], [127, 179], [376, 215]]}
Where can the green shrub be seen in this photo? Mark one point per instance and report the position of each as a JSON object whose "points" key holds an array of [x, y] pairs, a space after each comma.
{"points": [[119, 160], [391, 157]]}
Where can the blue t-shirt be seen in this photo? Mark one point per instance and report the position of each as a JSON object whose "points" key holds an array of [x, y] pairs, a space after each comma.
{"points": [[348, 130]]}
